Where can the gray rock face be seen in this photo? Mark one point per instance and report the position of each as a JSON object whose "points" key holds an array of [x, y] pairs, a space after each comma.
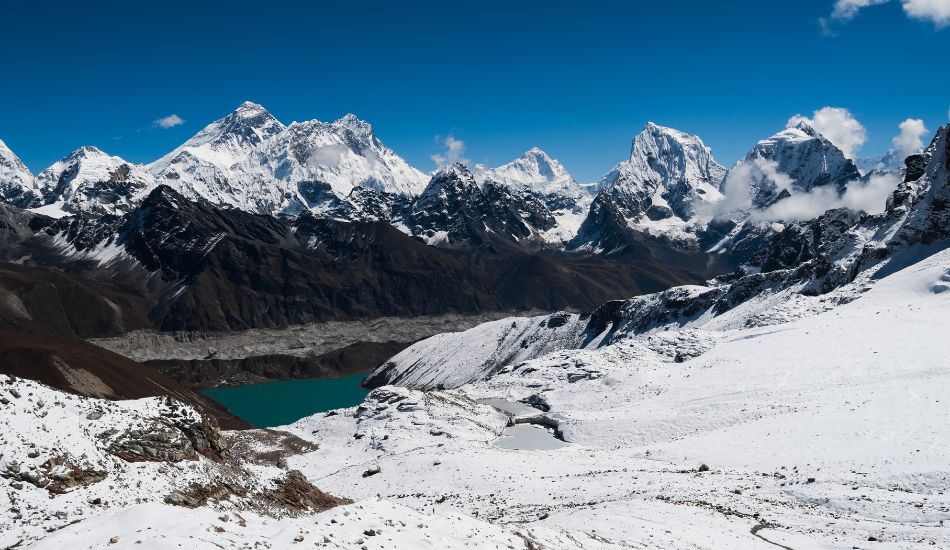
{"points": [[178, 434], [923, 204]]}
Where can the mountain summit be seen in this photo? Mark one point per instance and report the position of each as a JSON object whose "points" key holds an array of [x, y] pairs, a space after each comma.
{"points": [[654, 193], [251, 161], [535, 170], [803, 156], [333, 157], [91, 181], [16, 181]]}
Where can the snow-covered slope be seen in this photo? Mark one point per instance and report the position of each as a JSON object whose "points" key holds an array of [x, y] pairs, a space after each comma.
{"points": [[759, 412], [16, 181], [91, 181], [453, 359], [66, 458], [85, 473], [782, 430]]}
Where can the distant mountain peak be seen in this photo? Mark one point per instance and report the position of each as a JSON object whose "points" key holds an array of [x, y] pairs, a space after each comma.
{"points": [[670, 164], [90, 180], [86, 151], [453, 170], [804, 155], [249, 107], [535, 170], [16, 181], [654, 194]]}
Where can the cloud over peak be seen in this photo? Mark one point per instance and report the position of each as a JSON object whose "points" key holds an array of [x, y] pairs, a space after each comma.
{"points": [[838, 125], [910, 141], [454, 151]]}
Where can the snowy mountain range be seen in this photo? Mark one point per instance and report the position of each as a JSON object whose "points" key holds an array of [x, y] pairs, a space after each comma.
{"points": [[670, 192], [797, 402]]}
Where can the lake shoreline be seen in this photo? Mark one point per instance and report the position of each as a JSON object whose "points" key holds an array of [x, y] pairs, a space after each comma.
{"points": [[280, 402]]}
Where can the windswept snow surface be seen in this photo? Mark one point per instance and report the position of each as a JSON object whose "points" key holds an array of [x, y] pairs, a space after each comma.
{"points": [[796, 420], [820, 422], [801, 407], [821, 419]]}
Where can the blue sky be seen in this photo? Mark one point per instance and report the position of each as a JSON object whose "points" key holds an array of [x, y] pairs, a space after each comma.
{"points": [[577, 79]]}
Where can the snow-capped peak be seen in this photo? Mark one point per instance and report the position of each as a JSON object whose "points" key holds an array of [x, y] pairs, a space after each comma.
{"points": [[535, 170], [801, 153], [90, 180], [455, 171], [201, 168], [353, 122], [341, 155], [16, 181], [222, 143], [249, 108], [670, 166]]}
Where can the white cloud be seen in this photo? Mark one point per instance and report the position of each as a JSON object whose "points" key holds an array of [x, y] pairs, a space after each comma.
{"points": [[937, 11], [454, 151], [909, 140], [838, 125], [846, 10], [169, 121], [870, 196], [800, 206], [738, 188]]}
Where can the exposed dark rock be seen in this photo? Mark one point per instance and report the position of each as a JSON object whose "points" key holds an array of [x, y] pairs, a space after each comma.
{"points": [[172, 437], [296, 493]]}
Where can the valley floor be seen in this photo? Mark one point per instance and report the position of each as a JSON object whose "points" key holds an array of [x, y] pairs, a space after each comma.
{"points": [[799, 422]]}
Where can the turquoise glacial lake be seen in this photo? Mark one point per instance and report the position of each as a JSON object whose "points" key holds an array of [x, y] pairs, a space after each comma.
{"points": [[286, 401]]}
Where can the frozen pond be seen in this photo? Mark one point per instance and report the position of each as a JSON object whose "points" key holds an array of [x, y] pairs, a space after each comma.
{"points": [[529, 437], [523, 436]]}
